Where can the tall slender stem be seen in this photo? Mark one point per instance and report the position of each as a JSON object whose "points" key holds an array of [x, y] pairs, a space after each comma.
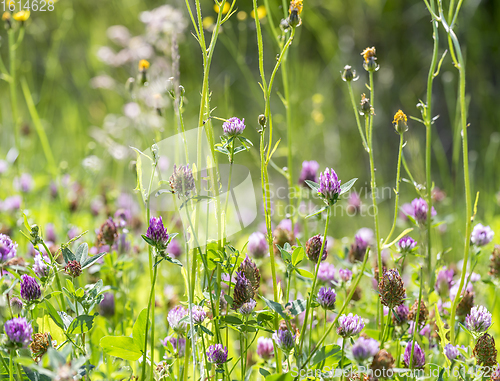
{"points": [[344, 306], [428, 147], [315, 279], [460, 64], [398, 181], [369, 128], [356, 114], [13, 88]]}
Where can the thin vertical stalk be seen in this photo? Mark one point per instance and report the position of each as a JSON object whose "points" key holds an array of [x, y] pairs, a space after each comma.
{"points": [[460, 64], [369, 134], [356, 114], [315, 279], [344, 306], [12, 85], [398, 181], [428, 146]]}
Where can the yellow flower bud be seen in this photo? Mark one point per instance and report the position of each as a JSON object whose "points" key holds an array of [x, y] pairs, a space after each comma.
{"points": [[143, 65], [21, 16]]}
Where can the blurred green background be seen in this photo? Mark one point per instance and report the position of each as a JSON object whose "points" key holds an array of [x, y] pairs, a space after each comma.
{"points": [[64, 51]]}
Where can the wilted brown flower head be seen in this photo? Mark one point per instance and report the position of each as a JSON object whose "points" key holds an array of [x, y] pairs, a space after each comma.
{"points": [[495, 262], [382, 364], [466, 304], [423, 314], [39, 345], [391, 289]]}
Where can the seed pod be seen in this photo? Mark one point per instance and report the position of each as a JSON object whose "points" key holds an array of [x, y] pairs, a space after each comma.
{"points": [[485, 351]]}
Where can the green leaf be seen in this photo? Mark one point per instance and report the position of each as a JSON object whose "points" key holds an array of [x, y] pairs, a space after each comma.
{"points": [[121, 346], [264, 372], [318, 212], [275, 306], [222, 150], [68, 255], [305, 273], [296, 307], [325, 353], [82, 252], [314, 186], [345, 187], [81, 324], [442, 333], [90, 260], [230, 319], [54, 315], [139, 329], [70, 286], [206, 330], [297, 255]]}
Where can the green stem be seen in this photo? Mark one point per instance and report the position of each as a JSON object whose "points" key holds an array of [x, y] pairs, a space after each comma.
{"points": [[428, 148], [341, 366], [315, 279], [386, 328], [460, 64], [369, 127], [13, 89], [56, 275], [356, 114], [344, 306], [398, 181], [11, 366], [416, 327]]}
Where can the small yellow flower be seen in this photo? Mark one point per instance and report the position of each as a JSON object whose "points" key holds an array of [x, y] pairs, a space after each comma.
{"points": [[261, 12], [241, 15], [400, 116], [226, 8], [295, 6], [400, 122], [208, 22], [21, 16], [143, 65], [6, 16], [368, 53]]}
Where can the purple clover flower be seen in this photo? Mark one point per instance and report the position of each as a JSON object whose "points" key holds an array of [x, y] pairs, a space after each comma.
{"points": [[329, 186], [257, 245], [284, 340], [451, 352], [217, 354], [345, 275], [326, 298], [30, 289], [8, 248], [481, 235], [40, 267], [265, 348], [24, 183], [418, 356], [349, 325], [248, 307], [158, 233], [182, 181], [326, 272], [19, 332], [365, 348], [401, 313], [420, 210], [309, 172], [444, 281], [234, 126], [199, 314], [478, 320], [407, 245], [107, 305], [174, 318], [178, 343]]}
